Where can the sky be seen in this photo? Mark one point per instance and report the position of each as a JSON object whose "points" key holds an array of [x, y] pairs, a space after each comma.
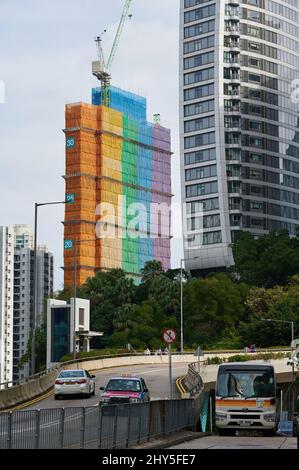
{"points": [[46, 50]]}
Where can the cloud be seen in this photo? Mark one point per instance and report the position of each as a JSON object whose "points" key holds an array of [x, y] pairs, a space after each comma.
{"points": [[46, 53]]}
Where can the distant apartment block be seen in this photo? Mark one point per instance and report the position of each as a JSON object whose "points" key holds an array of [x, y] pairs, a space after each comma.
{"points": [[16, 295]]}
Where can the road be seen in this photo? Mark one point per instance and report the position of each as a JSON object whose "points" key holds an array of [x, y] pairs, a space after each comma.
{"points": [[216, 442], [24, 424], [155, 376]]}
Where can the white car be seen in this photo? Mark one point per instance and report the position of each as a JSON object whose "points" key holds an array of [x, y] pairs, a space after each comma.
{"points": [[74, 382]]}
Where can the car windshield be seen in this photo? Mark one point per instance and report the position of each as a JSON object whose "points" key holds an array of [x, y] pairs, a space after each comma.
{"points": [[68, 374], [246, 383], [120, 385]]}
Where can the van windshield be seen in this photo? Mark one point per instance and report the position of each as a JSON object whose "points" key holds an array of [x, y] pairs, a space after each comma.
{"points": [[246, 383]]}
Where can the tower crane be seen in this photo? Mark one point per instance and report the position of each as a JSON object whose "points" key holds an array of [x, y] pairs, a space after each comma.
{"points": [[100, 69]]}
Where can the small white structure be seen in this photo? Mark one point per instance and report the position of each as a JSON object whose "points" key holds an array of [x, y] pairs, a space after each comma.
{"points": [[67, 324]]}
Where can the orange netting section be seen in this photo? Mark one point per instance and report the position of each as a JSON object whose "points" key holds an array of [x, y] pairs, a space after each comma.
{"points": [[98, 156]]}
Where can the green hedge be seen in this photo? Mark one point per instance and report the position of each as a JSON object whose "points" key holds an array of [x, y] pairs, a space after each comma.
{"points": [[247, 357]]}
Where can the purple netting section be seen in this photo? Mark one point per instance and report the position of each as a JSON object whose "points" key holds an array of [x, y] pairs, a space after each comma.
{"points": [[161, 175], [161, 138], [162, 251]]}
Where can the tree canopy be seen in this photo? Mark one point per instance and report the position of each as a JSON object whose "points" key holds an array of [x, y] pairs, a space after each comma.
{"points": [[266, 261]]}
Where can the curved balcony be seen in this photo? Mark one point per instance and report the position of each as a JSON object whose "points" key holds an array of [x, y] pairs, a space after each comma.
{"points": [[233, 30]]}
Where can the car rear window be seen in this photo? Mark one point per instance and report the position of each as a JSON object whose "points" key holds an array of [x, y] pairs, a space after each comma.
{"points": [[123, 385], [67, 374]]}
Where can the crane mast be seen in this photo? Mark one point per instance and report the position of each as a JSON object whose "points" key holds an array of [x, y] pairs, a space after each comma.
{"points": [[100, 69]]}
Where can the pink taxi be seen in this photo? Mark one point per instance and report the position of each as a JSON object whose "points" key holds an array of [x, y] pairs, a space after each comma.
{"points": [[124, 389]]}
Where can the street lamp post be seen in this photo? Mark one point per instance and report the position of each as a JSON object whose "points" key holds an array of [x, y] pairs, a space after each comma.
{"points": [[182, 303], [34, 304], [182, 329]]}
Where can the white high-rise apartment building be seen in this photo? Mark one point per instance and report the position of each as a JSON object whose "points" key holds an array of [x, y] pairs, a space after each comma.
{"points": [[16, 294], [239, 123], [6, 303]]}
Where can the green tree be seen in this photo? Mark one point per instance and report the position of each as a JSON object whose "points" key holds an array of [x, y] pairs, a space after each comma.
{"points": [[266, 261], [108, 292], [40, 348], [213, 308], [279, 303], [150, 270]]}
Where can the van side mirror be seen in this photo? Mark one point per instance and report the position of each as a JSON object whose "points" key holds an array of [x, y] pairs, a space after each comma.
{"points": [[102, 388]]}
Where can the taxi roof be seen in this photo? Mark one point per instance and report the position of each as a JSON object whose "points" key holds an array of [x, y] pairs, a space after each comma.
{"points": [[123, 377]]}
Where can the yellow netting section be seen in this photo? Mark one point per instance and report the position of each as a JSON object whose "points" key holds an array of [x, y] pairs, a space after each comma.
{"points": [[110, 164], [111, 121], [111, 253]]}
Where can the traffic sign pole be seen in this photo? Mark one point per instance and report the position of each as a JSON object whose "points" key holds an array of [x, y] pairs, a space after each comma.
{"points": [[170, 370], [169, 337]]}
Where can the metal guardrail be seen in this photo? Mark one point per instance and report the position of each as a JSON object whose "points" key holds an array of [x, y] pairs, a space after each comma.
{"points": [[193, 382], [106, 427], [13, 383]]}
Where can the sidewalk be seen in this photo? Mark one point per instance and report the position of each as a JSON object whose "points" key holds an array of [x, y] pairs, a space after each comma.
{"points": [[171, 440]]}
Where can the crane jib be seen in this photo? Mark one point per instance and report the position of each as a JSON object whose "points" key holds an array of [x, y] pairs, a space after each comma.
{"points": [[118, 34]]}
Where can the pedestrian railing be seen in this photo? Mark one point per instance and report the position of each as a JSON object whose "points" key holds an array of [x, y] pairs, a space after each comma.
{"points": [[105, 427]]}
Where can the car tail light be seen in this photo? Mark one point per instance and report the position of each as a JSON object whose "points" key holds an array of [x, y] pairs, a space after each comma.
{"points": [[272, 401], [59, 382], [82, 381]]}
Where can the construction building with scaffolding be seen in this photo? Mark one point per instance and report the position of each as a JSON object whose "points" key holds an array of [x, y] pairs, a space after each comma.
{"points": [[115, 157]]}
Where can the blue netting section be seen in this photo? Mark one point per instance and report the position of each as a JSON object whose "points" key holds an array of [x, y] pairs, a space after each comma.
{"points": [[145, 251], [133, 106]]}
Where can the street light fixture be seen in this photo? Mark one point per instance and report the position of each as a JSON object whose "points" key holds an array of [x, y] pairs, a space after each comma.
{"points": [[34, 313]]}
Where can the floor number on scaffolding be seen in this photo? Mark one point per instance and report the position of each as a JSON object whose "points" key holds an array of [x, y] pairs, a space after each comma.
{"points": [[70, 142], [68, 244]]}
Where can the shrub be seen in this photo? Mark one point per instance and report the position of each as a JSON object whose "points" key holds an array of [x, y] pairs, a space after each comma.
{"points": [[215, 360]]}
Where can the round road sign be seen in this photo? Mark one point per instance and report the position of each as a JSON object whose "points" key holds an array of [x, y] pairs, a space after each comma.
{"points": [[169, 336]]}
